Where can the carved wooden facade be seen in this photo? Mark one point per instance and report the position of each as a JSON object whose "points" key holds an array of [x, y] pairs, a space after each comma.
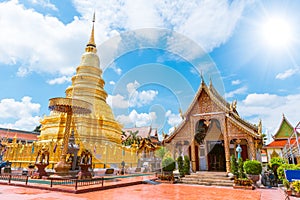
{"points": [[218, 123]]}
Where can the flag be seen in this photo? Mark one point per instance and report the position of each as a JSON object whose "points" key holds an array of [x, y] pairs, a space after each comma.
{"points": [[32, 148], [95, 148], [54, 149], [115, 150]]}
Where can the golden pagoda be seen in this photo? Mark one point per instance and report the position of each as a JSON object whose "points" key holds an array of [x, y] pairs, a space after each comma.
{"points": [[98, 131]]}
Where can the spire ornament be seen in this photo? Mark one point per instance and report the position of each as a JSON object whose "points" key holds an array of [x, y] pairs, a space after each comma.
{"points": [[91, 46]]}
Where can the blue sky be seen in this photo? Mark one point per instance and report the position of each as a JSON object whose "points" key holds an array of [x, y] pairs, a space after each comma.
{"points": [[152, 54]]}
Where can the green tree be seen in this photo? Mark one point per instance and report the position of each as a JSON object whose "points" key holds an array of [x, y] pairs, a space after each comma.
{"points": [[161, 153], [234, 166], [241, 173], [180, 165], [186, 165]]}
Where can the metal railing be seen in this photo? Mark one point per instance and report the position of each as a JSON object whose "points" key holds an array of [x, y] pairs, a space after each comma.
{"points": [[23, 180]]}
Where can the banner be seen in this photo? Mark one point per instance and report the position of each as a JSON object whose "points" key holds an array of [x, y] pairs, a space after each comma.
{"points": [[32, 148], [54, 149]]}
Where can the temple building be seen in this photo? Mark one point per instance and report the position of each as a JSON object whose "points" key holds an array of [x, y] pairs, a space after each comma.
{"points": [[282, 139], [146, 141], [210, 132], [97, 131]]}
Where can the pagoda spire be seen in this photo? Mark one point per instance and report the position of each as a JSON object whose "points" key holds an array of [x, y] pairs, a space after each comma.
{"points": [[91, 46], [202, 78]]}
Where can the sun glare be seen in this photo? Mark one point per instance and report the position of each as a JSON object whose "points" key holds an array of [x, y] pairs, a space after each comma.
{"points": [[277, 32]]}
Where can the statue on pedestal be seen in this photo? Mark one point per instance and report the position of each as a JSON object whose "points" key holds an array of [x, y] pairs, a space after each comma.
{"points": [[41, 162], [85, 164]]}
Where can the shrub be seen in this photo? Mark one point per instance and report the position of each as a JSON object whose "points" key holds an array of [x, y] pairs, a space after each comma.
{"points": [[168, 164], [241, 173], [180, 165], [252, 167], [296, 186], [234, 166], [286, 184], [276, 161], [281, 168], [186, 165]]}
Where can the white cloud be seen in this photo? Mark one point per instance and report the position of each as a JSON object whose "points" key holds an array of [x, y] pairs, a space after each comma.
{"points": [[215, 20], [286, 74], [137, 119], [59, 80], [241, 90], [22, 111], [39, 43], [137, 98], [268, 100], [25, 42], [235, 82], [44, 4], [112, 82], [117, 101], [269, 108], [173, 119], [116, 69]]}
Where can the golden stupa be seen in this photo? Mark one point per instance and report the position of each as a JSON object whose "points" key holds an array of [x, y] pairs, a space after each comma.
{"points": [[98, 131]]}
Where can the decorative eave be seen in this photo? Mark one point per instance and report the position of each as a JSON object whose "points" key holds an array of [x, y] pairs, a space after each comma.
{"points": [[248, 129]]}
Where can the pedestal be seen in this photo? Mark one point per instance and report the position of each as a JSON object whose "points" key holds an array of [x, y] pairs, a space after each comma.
{"points": [[84, 172], [40, 172], [62, 170]]}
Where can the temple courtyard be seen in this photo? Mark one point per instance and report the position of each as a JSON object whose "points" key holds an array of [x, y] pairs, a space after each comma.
{"points": [[144, 191]]}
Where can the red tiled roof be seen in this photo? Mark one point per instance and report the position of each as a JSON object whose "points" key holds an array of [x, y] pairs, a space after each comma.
{"points": [[21, 135], [279, 143]]}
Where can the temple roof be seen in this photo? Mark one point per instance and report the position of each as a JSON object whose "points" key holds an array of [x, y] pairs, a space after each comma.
{"points": [[20, 135], [279, 143], [227, 108], [285, 129]]}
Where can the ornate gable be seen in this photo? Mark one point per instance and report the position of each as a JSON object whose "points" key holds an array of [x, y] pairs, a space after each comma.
{"points": [[208, 101], [285, 129]]}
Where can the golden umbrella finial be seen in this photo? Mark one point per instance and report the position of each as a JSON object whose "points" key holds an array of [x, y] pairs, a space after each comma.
{"points": [[91, 46]]}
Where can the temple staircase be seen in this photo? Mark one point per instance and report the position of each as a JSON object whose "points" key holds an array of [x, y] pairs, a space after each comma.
{"points": [[207, 178]]}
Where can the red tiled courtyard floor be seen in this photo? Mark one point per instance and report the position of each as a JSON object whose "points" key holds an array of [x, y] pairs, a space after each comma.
{"points": [[145, 192]]}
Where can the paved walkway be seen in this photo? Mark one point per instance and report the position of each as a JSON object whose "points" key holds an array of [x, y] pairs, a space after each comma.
{"points": [[146, 192]]}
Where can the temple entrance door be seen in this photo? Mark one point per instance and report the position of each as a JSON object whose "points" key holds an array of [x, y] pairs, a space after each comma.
{"points": [[216, 156], [202, 158], [244, 152]]}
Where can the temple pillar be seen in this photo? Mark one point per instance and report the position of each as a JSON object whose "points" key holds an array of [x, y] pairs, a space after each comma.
{"points": [[226, 146], [252, 148], [193, 155]]}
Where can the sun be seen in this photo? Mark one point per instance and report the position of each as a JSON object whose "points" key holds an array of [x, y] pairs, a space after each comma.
{"points": [[277, 32]]}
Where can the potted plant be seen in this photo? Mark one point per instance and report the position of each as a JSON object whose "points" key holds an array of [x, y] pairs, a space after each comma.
{"points": [[253, 169], [287, 186], [296, 187]]}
